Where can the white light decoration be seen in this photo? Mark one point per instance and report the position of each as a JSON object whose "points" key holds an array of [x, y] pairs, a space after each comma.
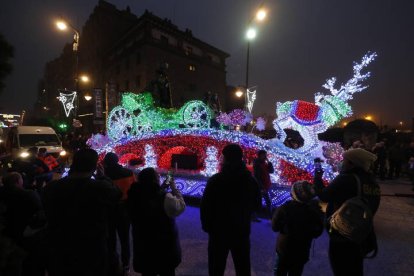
{"points": [[150, 157], [211, 162], [251, 97], [309, 119], [67, 101]]}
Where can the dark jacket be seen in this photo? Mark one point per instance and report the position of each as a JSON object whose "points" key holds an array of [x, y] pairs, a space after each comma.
{"points": [[121, 176], [78, 210], [155, 235], [345, 186], [22, 208], [228, 201], [297, 223]]}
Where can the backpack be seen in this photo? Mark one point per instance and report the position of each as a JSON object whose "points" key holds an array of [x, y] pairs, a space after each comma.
{"points": [[354, 219]]}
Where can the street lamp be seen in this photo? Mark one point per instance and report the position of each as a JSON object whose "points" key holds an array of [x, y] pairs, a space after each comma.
{"points": [[251, 34], [63, 26], [239, 93]]}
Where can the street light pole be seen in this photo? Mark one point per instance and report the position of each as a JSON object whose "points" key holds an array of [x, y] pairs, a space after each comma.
{"points": [[246, 86], [63, 25]]}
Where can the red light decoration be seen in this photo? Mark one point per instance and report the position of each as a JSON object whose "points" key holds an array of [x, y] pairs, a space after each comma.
{"points": [[306, 111], [124, 159], [195, 145]]}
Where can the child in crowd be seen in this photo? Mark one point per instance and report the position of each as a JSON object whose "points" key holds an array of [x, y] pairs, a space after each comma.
{"points": [[298, 222]]}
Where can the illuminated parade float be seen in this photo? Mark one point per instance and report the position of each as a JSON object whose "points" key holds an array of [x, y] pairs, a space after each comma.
{"points": [[186, 141]]}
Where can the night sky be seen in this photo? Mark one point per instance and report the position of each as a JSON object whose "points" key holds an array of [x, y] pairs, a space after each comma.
{"points": [[301, 44]]}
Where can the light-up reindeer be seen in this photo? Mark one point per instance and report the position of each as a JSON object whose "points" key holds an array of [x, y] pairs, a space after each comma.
{"points": [[309, 119]]}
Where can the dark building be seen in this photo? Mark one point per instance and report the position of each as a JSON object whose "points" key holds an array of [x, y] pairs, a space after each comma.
{"points": [[122, 52]]}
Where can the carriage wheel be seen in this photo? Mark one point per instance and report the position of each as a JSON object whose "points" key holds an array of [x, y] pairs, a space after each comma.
{"points": [[196, 115], [120, 123], [143, 124]]}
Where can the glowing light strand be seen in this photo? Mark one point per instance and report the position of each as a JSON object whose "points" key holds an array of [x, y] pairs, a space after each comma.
{"points": [[67, 101], [211, 162], [150, 157]]}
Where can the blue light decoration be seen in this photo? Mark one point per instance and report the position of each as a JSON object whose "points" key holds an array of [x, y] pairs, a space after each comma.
{"points": [[138, 128]]}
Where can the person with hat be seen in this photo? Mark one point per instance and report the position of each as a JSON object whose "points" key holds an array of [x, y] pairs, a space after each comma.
{"points": [[229, 199], [345, 255], [298, 222]]}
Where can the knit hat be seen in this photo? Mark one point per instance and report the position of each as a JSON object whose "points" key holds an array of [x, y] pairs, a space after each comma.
{"points": [[360, 158], [302, 191]]}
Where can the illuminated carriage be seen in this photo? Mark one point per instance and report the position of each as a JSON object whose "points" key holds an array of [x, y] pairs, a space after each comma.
{"points": [[137, 115], [138, 129]]}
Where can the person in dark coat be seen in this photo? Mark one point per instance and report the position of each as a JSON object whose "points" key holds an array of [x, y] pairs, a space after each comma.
{"points": [[77, 209], [156, 244], [229, 199], [298, 222], [345, 256], [262, 168], [24, 220], [120, 225], [395, 158]]}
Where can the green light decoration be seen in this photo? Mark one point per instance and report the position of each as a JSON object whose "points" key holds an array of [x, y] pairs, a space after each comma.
{"points": [[63, 126], [137, 115]]}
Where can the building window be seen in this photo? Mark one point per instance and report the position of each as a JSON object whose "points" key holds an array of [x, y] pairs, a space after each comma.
{"points": [[138, 59], [127, 63], [126, 84], [191, 67], [138, 81], [164, 39]]}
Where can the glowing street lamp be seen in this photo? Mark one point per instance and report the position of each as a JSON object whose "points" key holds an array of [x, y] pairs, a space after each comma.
{"points": [[368, 117], [261, 15], [239, 93], [251, 34], [84, 78], [61, 25], [88, 97]]}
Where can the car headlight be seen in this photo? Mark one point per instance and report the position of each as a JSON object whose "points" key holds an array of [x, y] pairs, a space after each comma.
{"points": [[62, 153], [24, 154]]}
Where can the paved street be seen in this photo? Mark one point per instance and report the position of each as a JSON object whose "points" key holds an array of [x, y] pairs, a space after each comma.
{"points": [[394, 226]]}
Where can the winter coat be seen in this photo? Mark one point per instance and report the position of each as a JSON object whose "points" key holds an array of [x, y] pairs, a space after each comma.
{"points": [[156, 243], [121, 177], [262, 171], [298, 224], [22, 208], [345, 186], [78, 211], [229, 199]]}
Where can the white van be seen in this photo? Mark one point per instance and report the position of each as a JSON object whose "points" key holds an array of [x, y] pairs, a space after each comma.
{"points": [[19, 139]]}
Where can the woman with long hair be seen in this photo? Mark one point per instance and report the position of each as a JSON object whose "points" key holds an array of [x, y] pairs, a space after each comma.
{"points": [[156, 245]]}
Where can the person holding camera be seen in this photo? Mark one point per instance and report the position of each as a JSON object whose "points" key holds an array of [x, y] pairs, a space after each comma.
{"points": [[156, 246]]}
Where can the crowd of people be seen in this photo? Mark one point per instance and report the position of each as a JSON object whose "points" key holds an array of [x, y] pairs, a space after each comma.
{"points": [[393, 160], [70, 226]]}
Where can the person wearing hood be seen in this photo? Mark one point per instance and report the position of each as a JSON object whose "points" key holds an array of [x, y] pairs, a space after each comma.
{"points": [[298, 222], [345, 255], [229, 199], [120, 222]]}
